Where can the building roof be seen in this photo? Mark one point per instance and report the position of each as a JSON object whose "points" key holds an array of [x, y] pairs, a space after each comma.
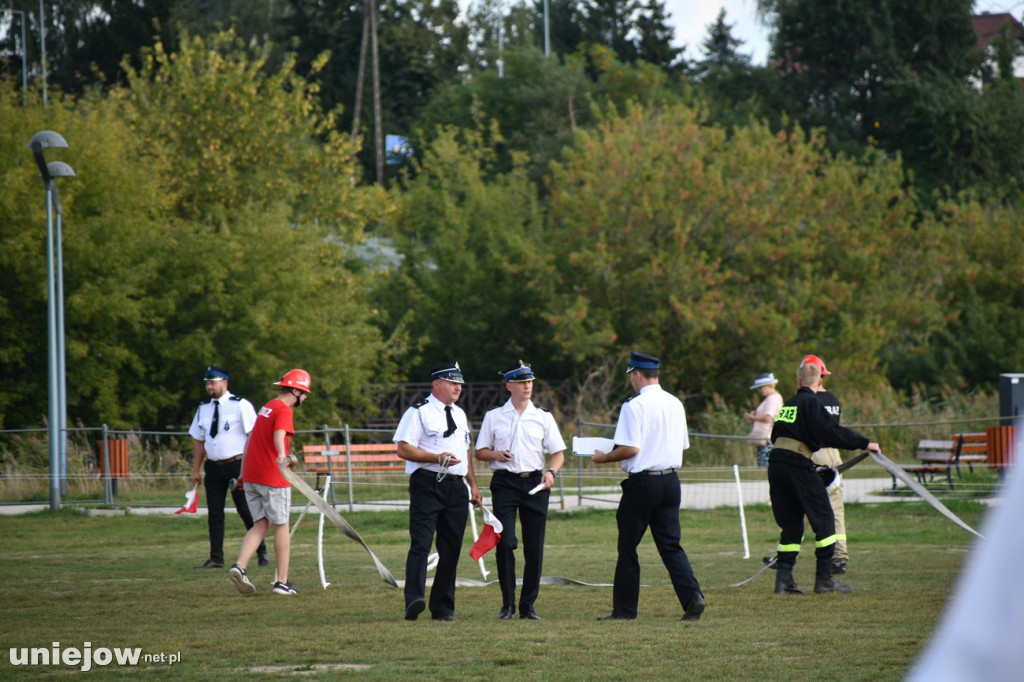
{"points": [[987, 27]]}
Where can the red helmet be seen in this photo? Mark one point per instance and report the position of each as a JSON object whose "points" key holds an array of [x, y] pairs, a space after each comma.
{"points": [[296, 378], [815, 360]]}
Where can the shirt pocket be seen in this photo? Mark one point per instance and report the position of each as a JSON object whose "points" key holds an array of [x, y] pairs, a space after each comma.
{"points": [[433, 437], [502, 439], [534, 431]]}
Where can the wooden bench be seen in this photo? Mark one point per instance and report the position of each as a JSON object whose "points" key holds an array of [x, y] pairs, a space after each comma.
{"points": [[363, 457], [940, 457], [1002, 442]]}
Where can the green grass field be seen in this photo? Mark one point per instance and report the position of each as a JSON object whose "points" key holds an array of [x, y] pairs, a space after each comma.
{"points": [[129, 582]]}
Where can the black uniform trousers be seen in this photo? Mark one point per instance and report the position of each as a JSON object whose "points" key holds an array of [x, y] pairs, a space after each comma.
{"points": [[796, 491], [510, 493], [650, 501], [440, 507], [215, 483]]}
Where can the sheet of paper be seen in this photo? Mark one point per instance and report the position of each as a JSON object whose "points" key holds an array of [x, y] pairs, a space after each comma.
{"points": [[584, 447]]}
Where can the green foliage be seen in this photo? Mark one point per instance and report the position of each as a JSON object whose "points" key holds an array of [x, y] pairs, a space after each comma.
{"points": [[112, 244], [212, 221], [982, 278], [897, 75], [728, 256], [472, 250]]}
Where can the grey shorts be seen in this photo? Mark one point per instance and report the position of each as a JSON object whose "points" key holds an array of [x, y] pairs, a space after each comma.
{"points": [[265, 502]]}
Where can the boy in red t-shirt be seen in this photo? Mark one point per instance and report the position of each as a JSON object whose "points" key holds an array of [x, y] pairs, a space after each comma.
{"points": [[266, 490]]}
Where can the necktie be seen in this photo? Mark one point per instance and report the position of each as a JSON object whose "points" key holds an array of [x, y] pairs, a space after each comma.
{"points": [[215, 424], [451, 421]]}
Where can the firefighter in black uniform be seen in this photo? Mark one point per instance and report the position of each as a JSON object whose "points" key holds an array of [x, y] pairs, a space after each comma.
{"points": [[802, 427]]}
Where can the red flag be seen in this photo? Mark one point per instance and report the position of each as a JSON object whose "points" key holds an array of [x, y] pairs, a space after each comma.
{"points": [[191, 502], [489, 537]]}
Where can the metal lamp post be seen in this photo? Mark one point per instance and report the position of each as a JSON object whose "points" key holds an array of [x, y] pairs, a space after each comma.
{"points": [[55, 309], [42, 48]]}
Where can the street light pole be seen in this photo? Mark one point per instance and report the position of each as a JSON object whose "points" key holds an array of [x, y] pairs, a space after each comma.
{"points": [[42, 47], [547, 31], [57, 425]]}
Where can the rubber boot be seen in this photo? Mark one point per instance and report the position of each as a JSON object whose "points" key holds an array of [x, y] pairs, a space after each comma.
{"points": [[824, 582], [784, 580]]}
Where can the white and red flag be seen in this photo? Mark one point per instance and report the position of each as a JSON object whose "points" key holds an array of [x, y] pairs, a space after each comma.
{"points": [[191, 502], [489, 537]]}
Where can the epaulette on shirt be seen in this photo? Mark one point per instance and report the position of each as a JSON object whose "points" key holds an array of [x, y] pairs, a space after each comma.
{"points": [[235, 397], [420, 403], [630, 398]]}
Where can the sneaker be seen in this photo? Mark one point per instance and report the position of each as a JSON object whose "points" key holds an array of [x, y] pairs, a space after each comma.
{"points": [[283, 588], [241, 579], [838, 567]]}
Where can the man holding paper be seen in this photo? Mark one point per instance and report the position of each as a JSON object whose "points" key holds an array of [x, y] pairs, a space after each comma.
{"points": [[514, 439], [650, 437]]}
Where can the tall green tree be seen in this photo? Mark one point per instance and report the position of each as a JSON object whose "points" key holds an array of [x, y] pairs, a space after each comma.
{"points": [[473, 254], [269, 204], [213, 220], [891, 74], [733, 90], [113, 233], [632, 30], [422, 44], [729, 254]]}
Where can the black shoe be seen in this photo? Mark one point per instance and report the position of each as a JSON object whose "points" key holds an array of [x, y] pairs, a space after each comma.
{"points": [[262, 558], [615, 616], [831, 585], [210, 563], [838, 567], [694, 608], [506, 612], [446, 617], [413, 610], [528, 614]]}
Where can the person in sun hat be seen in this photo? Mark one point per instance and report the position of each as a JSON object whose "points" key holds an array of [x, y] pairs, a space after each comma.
{"points": [[650, 437], [763, 416], [514, 439]]}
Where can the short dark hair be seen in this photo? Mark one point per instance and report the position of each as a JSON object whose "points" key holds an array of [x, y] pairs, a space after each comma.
{"points": [[648, 373]]}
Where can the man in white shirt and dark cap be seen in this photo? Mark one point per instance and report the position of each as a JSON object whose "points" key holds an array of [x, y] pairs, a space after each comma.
{"points": [[433, 439], [514, 439], [220, 430], [650, 437]]}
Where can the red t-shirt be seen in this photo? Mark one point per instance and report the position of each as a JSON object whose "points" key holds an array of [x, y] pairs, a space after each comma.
{"points": [[261, 455]]}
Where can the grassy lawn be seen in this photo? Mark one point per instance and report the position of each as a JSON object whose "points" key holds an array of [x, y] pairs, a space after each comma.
{"points": [[129, 582]]}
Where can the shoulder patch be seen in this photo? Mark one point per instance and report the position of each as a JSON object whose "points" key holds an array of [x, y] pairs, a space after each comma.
{"points": [[420, 403]]}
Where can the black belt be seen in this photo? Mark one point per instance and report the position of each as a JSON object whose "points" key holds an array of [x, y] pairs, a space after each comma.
{"points": [[520, 474], [653, 472], [435, 474], [225, 461]]}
